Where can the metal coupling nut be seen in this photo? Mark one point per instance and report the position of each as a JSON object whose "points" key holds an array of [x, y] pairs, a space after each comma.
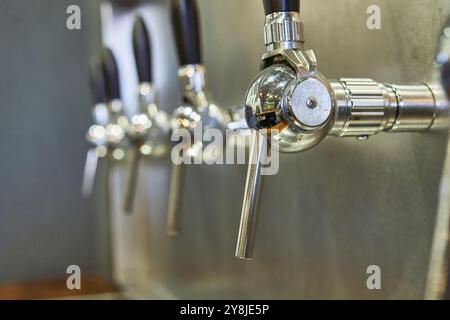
{"points": [[283, 30]]}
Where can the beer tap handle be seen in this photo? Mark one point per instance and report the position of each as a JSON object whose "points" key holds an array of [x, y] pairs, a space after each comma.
{"points": [[272, 6], [111, 75], [186, 24], [97, 90], [142, 50]]}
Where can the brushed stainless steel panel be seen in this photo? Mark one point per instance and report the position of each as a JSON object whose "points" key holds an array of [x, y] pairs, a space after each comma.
{"points": [[330, 212]]}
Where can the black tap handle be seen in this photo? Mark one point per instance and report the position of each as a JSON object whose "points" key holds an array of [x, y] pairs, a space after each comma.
{"points": [[97, 83], [186, 24], [111, 74], [271, 6], [142, 50]]}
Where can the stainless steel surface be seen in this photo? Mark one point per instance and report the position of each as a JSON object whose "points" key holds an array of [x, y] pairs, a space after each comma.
{"points": [[346, 205], [437, 286], [438, 273], [416, 109], [253, 185]]}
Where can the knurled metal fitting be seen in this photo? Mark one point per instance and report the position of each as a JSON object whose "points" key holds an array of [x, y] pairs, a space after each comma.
{"points": [[283, 30]]}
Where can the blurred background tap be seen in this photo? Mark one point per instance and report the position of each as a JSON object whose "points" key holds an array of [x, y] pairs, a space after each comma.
{"points": [[149, 128], [115, 129], [107, 136], [96, 135], [197, 111]]}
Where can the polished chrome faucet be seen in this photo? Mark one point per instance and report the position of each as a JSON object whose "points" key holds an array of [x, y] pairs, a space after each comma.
{"points": [[197, 110], [148, 129], [291, 103], [107, 136], [96, 135]]}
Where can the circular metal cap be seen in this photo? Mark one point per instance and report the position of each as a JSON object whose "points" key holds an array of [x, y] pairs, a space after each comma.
{"points": [[310, 104]]}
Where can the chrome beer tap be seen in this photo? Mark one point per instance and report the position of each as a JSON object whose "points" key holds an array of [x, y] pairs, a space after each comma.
{"points": [[197, 110], [293, 106], [96, 136], [149, 128], [107, 136], [115, 129]]}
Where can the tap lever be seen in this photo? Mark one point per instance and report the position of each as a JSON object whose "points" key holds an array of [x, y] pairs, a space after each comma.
{"points": [[253, 186], [90, 170], [186, 23], [130, 190], [272, 6], [175, 198], [142, 50], [95, 135]]}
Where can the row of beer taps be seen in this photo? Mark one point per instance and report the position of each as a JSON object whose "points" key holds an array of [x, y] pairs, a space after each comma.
{"points": [[289, 102], [114, 137]]}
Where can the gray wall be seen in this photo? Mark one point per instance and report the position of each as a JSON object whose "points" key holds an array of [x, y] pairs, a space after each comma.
{"points": [[45, 225]]}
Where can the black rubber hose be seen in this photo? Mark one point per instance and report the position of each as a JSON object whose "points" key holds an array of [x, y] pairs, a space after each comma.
{"points": [[142, 50], [186, 24], [271, 6]]}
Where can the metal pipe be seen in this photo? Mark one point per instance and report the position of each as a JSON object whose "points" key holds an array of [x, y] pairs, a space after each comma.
{"points": [[365, 107]]}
